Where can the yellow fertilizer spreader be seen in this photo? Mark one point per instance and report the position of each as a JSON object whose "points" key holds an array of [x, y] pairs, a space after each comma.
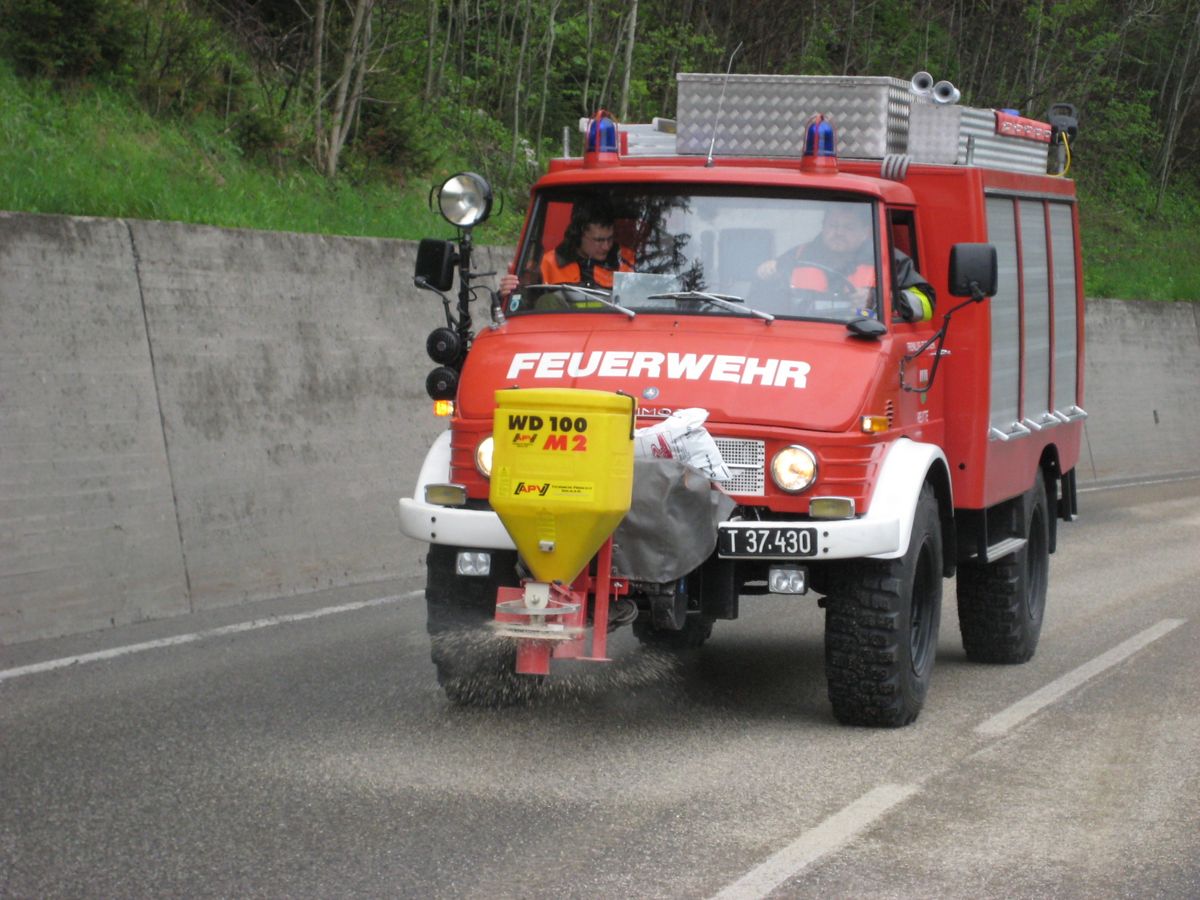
{"points": [[562, 481]]}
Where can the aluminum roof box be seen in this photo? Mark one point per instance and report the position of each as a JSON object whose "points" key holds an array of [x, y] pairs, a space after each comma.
{"points": [[763, 115], [874, 117]]}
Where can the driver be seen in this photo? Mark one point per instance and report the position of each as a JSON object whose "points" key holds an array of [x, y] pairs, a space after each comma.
{"points": [[587, 256], [844, 252]]}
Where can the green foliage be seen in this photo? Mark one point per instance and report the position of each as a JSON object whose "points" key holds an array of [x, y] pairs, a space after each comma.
{"points": [[97, 153], [184, 63], [398, 133], [1132, 256], [66, 39], [1115, 153], [667, 48], [258, 134]]}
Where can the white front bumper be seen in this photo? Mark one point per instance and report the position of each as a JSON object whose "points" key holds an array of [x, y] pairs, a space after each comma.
{"points": [[434, 524], [882, 533], [449, 525], [851, 539]]}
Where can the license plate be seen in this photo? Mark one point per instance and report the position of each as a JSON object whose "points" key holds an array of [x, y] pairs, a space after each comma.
{"points": [[768, 542]]}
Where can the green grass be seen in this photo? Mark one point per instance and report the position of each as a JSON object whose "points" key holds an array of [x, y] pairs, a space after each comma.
{"points": [[94, 152], [1129, 254]]}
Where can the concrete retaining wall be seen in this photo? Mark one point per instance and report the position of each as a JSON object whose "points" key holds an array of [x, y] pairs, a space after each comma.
{"points": [[193, 417], [1142, 387], [88, 533]]}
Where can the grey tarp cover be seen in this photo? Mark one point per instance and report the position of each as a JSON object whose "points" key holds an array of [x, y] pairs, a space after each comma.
{"points": [[671, 527]]}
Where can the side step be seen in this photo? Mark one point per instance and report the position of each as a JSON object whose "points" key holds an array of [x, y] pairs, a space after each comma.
{"points": [[1000, 550]]}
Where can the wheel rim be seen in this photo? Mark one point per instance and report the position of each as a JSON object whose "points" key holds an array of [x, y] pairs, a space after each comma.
{"points": [[920, 616]]}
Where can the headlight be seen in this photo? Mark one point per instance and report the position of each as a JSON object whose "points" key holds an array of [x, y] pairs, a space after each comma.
{"points": [[483, 456], [794, 469], [465, 199]]}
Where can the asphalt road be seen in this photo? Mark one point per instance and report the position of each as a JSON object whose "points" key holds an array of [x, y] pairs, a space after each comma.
{"points": [[316, 757]]}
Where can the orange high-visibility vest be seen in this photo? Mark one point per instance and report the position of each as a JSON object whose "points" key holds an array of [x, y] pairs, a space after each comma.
{"points": [[813, 279], [556, 272]]}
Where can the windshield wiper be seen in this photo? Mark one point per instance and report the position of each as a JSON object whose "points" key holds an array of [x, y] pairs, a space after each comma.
{"points": [[597, 294], [725, 301]]}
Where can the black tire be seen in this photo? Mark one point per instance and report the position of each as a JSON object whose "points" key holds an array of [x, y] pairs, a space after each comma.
{"points": [[881, 628], [696, 630], [474, 666], [1001, 604]]}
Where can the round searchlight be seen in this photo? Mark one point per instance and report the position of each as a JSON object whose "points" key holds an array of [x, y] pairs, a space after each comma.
{"points": [[465, 199]]}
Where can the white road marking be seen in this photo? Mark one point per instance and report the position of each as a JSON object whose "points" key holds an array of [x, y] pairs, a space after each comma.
{"points": [[1137, 482], [270, 621], [1009, 718], [827, 837], [839, 829]]}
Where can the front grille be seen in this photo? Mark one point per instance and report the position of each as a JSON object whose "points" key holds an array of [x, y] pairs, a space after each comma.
{"points": [[746, 461]]}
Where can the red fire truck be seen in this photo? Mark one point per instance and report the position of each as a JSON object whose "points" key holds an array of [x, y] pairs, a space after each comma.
{"points": [[873, 442]]}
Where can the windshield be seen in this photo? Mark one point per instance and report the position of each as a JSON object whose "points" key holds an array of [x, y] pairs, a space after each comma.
{"points": [[736, 253]]}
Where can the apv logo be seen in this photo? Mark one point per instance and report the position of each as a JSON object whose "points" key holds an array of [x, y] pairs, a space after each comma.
{"points": [[524, 488], [524, 440]]}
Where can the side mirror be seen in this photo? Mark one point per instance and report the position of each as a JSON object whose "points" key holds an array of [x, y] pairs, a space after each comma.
{"points": [[973, 269], [435, 264]]}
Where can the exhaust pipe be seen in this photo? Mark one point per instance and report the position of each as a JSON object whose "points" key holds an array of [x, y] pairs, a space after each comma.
{"points": [[944, 92]]}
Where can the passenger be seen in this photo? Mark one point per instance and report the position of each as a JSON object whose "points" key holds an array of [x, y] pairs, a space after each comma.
{"points": [[588, 254], [843, 257]]}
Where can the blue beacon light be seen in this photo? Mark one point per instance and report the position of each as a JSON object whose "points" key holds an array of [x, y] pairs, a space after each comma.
{"points": [[820, 144], [601, 147]]}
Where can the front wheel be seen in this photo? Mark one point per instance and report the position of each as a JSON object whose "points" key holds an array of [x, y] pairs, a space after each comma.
{"points": [[1001, 604], [881, 628], [474, 666]]}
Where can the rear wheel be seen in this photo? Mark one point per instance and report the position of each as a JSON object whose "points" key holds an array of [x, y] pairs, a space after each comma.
{"points": [[1001, 604], [474, 666], [881, 628]]}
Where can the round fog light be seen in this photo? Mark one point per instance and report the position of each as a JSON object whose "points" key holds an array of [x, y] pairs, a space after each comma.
{"points": [[483, 456], [794, 468]]}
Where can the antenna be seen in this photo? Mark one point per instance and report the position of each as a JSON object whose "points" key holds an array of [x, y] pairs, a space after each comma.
{"points": [[712, 145]]}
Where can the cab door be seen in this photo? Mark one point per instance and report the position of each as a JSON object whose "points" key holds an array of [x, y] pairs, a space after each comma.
{"points": [[918, 410]]}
